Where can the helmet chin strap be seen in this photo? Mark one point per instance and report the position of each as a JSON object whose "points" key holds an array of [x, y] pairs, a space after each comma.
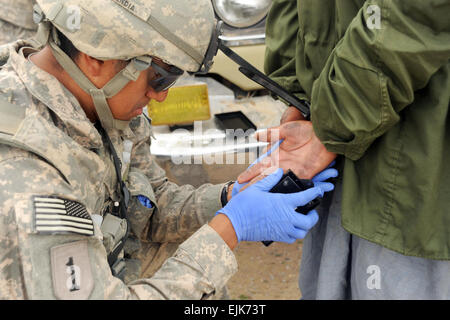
{"points": [[130, 73]]}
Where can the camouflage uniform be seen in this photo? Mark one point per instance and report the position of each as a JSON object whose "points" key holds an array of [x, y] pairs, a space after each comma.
{"points": [[55, 155], [16, 20]]}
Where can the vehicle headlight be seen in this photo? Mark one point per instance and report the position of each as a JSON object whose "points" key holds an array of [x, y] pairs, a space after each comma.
{"points": [[241, 13]]}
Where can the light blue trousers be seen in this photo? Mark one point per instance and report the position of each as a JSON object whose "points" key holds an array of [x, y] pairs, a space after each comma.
{"points": [[338, 265]]}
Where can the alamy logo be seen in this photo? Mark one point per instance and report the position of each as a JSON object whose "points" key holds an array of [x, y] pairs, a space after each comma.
{"points": [[209, 147], [374, 280], [374, 19]]}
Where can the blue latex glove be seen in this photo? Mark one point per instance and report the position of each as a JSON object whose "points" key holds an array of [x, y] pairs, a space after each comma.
{"points": [[237, 186], [145, 202], [258, 215], [326, 174]]}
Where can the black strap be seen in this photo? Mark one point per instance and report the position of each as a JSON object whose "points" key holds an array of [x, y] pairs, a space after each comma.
{"points": [[254, 74], [124, 192], [121, 210], [224, 194]]}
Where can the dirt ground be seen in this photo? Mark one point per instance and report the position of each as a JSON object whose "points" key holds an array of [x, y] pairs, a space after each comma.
{"points": [[266, 273]]}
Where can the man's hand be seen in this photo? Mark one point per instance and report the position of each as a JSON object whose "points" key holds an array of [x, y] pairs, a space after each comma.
{"points": [[301, 150], [237, 187]]}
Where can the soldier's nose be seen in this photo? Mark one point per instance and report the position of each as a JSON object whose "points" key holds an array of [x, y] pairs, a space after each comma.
{"points": [[158, 96]]}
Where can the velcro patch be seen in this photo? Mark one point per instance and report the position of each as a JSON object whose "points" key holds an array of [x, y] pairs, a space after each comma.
{"points": [[71, 271], [53, 215]]}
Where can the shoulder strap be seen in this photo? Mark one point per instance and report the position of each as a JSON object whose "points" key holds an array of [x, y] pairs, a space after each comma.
{"points": [[11, 116]]}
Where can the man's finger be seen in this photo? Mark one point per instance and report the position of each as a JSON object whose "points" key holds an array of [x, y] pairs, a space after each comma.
{"points": [[270, 135], [264, 173], [267, 152], [252, 182], [255, 170], [270, 178], [250, 174]]}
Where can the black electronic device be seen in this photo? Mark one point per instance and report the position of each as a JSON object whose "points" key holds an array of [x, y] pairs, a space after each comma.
{"points": [[290, 183], [234, 121]]}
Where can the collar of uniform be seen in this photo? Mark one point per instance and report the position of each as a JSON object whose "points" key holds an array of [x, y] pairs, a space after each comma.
{"points": [[47, 89]]}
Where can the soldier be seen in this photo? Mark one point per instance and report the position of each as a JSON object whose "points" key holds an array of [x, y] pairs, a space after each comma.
{"points": [[16, 20], [79, 189]]}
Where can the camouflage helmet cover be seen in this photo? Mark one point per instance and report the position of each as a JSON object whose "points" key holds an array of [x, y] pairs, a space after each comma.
{"points": [[178, 32]]}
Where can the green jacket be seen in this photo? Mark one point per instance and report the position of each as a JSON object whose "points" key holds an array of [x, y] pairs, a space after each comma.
{"points": [[380, 97]]}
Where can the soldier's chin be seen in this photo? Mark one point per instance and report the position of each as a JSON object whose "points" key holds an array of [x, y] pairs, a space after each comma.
{"points": [[130, 115], [137, 112]]}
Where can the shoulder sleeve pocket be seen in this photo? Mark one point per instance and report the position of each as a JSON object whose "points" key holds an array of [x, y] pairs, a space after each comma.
{"points": [[139, 215]]}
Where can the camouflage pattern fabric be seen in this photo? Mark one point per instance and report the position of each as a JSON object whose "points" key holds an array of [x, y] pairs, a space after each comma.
{"points": [[152, 256], [18, 13], [58, 155], [16, 20], [117, 29], [10, 32]]}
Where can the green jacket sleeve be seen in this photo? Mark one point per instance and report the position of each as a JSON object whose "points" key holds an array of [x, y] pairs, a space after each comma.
{"points": [[373, 73], [280, 56]]}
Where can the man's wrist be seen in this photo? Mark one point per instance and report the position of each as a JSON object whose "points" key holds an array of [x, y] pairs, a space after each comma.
{"points": [[292, 114]]}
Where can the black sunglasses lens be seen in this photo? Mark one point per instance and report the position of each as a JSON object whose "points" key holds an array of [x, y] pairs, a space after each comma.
{"points": [[165, 79], [163, 83]]}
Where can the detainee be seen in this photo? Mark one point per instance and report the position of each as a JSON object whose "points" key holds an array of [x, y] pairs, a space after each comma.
{"points": [[377, 76], [78, 187]]}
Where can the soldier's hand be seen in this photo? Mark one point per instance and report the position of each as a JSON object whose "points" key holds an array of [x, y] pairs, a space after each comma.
{"points": [[258, 215], [301, 151]]}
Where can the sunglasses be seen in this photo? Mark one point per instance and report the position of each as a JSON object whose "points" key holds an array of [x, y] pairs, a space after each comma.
{"points": [[163, 78]]}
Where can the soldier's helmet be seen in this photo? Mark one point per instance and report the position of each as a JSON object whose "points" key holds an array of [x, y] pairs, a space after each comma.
{"points": [[177, 31]]}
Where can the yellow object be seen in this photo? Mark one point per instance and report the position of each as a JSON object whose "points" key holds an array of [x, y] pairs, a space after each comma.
{"points": [[228, 69], [183, 105]]}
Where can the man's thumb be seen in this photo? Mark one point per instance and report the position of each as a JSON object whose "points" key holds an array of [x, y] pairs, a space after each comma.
{"points": [[271, 180]]}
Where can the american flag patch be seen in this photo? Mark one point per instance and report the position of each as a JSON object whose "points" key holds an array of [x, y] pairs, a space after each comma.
{"points": [[55, 215]]}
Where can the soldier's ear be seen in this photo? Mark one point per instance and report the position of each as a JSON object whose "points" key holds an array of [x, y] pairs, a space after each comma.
{"points": [[99, 72], [92, 67]]}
